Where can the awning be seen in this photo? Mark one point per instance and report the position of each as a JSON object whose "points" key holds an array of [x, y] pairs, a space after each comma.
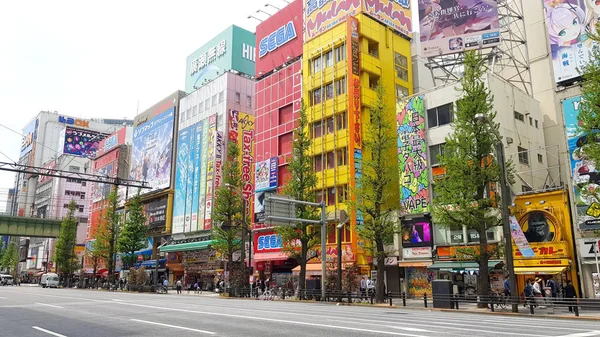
{"points": [[313, 269], [152, 263], [273, 256], [182, 247], [539, 270], [459, 266], [414, 263]]}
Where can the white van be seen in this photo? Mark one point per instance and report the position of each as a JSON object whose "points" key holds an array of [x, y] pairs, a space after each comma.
{"points": [[49, 280], [6, 280]]}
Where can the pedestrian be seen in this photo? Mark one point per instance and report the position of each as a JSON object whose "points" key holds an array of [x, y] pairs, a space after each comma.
{"points": [[553, 285], [507, 286], [196, 287], [528, 293], [570, 295], [201, 286], [178, 286], [537, 293], [261, 285], [363, 287], [166, 285], [370, 286]]}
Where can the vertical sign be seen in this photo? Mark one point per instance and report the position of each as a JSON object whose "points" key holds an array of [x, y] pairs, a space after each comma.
{"points": [[241, 131], [203, 169], [516, 232], [210, 172], [412, 156], [355, 105]]}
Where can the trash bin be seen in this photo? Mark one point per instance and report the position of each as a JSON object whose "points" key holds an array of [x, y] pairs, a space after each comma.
{"points": [[442, 294]]}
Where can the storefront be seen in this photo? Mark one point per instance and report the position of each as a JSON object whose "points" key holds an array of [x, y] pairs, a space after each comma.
{"points": [[589, 254], [193, 260], [417, 252]]}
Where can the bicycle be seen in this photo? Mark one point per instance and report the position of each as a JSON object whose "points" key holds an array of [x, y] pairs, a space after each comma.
{"points": [[267, 295], [497, 300]]}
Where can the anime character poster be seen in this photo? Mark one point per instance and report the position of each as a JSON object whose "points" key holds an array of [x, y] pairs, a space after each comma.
{"points": [[569, 24], [453, 26]]}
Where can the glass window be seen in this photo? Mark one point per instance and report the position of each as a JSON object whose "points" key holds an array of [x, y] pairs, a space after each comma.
{"points": [[331, 232], [440, 115], [340, 53], [536, 124], [401, 91], [340, 86], [523, 155], [195, 111], [519, 116], [207, 104], [318, 163], [317, 96], [316, 64], [221, 96], [457, 236], [214, 100], [373, 48], [248, 100], [319, 196], [237, 98], [540, 158], [329, 91], [341, 193], [401, 65], [201, 107], [341, 121], [435, 151], [329, 123], [317, 129], [330, 160], [342, 156], [328, 59], [331, 196]]}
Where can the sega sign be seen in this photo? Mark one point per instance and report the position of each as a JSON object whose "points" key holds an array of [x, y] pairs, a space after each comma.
{"points": [[269, 242], [73, 121], [276, 39]]}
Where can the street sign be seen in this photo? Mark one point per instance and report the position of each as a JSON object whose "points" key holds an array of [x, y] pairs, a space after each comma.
{"points": [[280, 209], [251, 278]]}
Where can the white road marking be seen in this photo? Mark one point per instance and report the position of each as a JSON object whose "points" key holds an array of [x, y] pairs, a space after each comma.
{"points": [[48, 331], [173, 326], [271, 320], [583, 334], [407, 328], [49, 305], [3, 298]]}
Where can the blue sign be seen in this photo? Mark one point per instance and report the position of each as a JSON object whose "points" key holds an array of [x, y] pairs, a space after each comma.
{"points": [[266, 242], [266, 174], [276, 39]]}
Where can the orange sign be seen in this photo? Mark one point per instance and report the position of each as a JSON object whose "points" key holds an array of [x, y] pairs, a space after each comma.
{"points": [[545, 250], [461, 253]]}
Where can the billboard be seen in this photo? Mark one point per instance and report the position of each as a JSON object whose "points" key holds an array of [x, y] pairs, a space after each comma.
{"points": [[569, 24], [584, 171], [454, 26], [101, 191], [241, 130], [412, 155], [265, 174], [417, 232], [279, 38], [355, 104], [29, 137], [320, 16], [112, 141], [232, 49], [82, 143], [156, 215], [267, 242], [210, 171], [152, 150], [48, 167]]}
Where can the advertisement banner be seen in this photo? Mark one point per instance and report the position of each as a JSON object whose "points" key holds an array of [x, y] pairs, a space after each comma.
{"points": [[586, 178], [101, 191], [219, 157], [519, 237], [454, 26], [156, 213], [82, 143], [259, 210], [266, 175], [417, 232], [569, 24], [48, 167], [589, 247], [267, 242], [412, 156], [241, 130], [417, 253], [279, 38], [210, 176], [152, 151], [199, 225], [393, 13], [112, 141], [419, 281], [29, 138]]}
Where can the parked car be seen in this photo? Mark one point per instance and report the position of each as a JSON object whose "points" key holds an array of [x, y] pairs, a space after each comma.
{"points": [[49, 280], [6, 280]]}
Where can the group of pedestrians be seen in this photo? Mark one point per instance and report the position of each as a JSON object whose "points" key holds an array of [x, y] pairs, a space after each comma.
{"points": [[367, 287], [539, 292]]}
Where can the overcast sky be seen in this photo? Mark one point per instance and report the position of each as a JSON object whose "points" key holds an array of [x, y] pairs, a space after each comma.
{"points": [[98, 59]]}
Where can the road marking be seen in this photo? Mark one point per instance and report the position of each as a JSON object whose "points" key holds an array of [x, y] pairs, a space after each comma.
{"points": [[173, 326], [583, 334], [49, 305], [2, 297], [48, 331], [407, 329], [272, 320]]}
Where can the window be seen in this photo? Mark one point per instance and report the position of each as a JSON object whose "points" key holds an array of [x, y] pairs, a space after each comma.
{"points": [[329, 91], [401, 65], [435, 151], [330, 159], [317, 129], [340, 86], [341, 193], [237, 98], [540, 158], [318, 163], [286, 114], [373, 48], [195, 111], [316, 65], [373, 81], [67, 192], [530, 121], [82, 195], [83, 183], [221, 96], [457, 236], [342, 156], [525, 188], [536, 124], [330, 126], [319, 196], [80, 208], [316, 96], [439, 116], [331, 233], [248, 100], [201, 107], [340, 53], [401, 91], [519, 116], [214, 100], [523, 155], [331, 196], [207, 104], [328, 59], [341, 121]]}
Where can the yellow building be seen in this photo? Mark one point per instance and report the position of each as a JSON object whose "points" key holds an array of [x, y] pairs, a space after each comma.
{"points": [[341, 68]]}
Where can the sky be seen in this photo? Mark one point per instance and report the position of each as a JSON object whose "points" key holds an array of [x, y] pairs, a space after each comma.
{"points": [[99, 59]]}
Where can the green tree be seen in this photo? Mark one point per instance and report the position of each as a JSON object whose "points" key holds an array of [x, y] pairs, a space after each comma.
{"points": [[134, 234], [463, 197], [300, 239], [65, 257], [10, 258], [227, 214], [375, 190], [1, 248], [589, 114], [105, 246]]}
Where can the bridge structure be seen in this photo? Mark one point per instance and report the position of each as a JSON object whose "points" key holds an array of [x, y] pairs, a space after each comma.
{"points": [[29, 226]]}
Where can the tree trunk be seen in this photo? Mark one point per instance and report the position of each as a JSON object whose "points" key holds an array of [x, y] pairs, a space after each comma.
{"points": [[483, 284], [302, 276], [243, 256], [380, 289]]}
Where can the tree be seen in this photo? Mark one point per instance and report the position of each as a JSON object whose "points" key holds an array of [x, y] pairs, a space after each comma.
{"points": [[134, 234], [227, 214], [375, 193], [300, 239], [105, 245], [589, 114], [65, 257], [464, 197], [10, 258], [1, 248]]}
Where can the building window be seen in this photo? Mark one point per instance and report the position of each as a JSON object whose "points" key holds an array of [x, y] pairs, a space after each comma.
{"points": [[342, 157], [80, 208], [221, 96], [329, 91], [316, 97], [435, 151], [195, 111], [331, 196], [330, 159], [401, 91], [530, 121], [331, 232], [457, 236], [248, 100], [373, 48], [318, 163], [328, 59], [341, 121], [439, 116], [201, 107], [401, 65], [319, 196], [67, 192], [519, 116], [82, 195], [214, 100], [340, 53], [83, 183], [330, 126], [373, 81], [317, 129], [207, 104], [237, 98], [523, 155], [73, 168], [536, 124], [540, 158], [340, 86], [341, 193], [316, 65]]}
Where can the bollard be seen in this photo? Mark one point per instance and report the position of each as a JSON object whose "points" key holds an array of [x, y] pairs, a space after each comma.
{"points": [[492, 305], [390, 296], [404, 299], [531, 309], [425, 299], [456, 300], [576, 309], [349, 297]]}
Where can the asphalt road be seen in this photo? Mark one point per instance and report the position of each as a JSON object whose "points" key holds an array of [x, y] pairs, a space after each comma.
{"points": [[33, 311]]}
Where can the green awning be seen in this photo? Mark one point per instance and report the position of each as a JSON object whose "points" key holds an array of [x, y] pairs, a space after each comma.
{"points": [[459, 266], [182, 247]]}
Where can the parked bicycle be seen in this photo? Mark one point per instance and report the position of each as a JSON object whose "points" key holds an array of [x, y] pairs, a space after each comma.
{"points": [[497, 300]]}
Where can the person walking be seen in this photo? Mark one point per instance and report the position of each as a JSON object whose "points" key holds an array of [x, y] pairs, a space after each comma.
{"points": [[537, 293], [363, 288], [166, 286], [370, 286], [507, 286], [528, 293], [553, 285], [570, 295], [178, 286]]}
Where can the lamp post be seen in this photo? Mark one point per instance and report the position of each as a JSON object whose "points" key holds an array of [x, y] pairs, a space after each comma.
{"points": [[339, 256]]}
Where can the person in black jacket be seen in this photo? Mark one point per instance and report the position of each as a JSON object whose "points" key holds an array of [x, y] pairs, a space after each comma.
{"points": [[570, 295]]}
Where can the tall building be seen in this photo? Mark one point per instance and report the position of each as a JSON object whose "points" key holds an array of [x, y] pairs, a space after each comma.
{"points": [[347, 53], [278, 98]]}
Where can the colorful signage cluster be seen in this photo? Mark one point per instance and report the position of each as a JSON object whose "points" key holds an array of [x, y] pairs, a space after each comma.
{"points": [[417, 232], [82, 143], [320, 16], [519, 237], [152, 151], [101, 191], [412, 156], [266, 175], [241, 130], [448, 27], [569, 24], [586, 177]]}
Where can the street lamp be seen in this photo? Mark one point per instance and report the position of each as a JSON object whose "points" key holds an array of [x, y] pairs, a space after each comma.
{"points": [[254, 17], [505, 193], [339, 256], [269, 5]]}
